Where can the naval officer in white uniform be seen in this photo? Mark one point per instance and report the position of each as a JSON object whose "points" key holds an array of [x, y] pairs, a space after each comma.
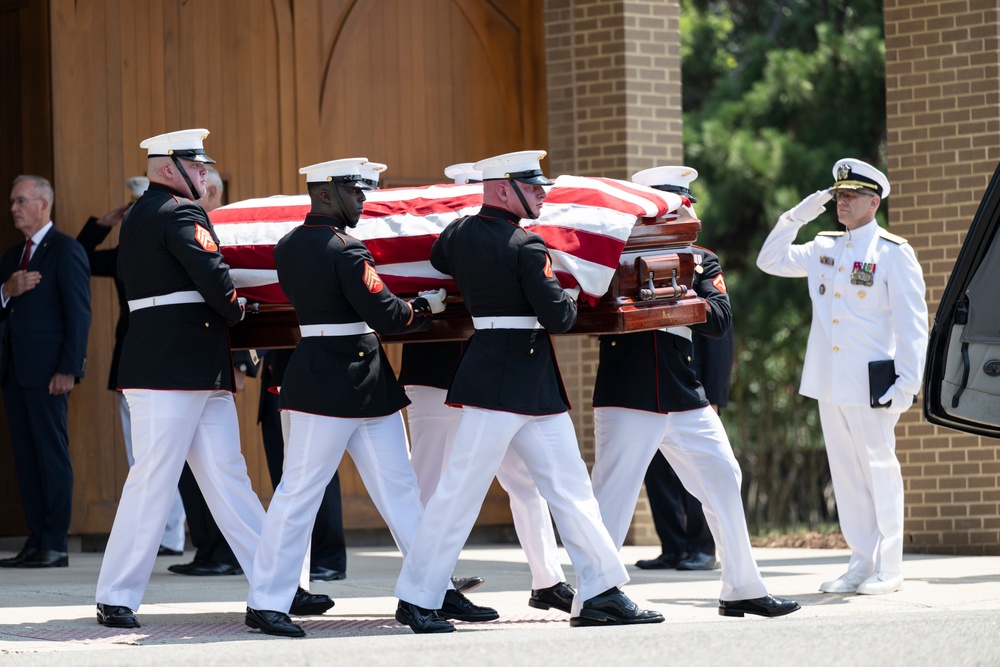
{"points": [[867, 292]]}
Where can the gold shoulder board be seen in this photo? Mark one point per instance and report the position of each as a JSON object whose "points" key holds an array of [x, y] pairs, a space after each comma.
{"points": [[898, 240]]}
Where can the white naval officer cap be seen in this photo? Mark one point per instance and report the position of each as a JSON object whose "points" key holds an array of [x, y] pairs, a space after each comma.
{"points": [[136, 186], [346, 172], [676, 179], [519, 166], [851, 174], [370, 173], [186, 144], [463, 172]]}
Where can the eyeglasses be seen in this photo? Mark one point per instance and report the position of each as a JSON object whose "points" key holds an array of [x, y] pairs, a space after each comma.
{"points": [[21, 201]]}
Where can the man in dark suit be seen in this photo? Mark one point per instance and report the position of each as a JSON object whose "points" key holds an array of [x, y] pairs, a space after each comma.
{"points": [[46, 309]]}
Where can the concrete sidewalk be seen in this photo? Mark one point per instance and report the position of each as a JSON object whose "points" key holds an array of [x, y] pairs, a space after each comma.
{"points": [[948, 613]]}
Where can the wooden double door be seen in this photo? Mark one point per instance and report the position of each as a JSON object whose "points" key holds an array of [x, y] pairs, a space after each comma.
{"points": [[416, 84]]}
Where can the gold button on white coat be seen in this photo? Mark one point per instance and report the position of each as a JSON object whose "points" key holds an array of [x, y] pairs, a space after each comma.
{"points": [[837, 295], [861, 294], [836, 321], [836, 349]]}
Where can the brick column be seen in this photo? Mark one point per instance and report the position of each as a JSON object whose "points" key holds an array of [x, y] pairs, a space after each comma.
{"points": [[943, 119], [613, 72]]}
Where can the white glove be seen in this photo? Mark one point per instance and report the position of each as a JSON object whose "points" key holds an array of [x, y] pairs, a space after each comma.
{"points": [[435, 298], [809, 208], [901, 401], [573, 292]]}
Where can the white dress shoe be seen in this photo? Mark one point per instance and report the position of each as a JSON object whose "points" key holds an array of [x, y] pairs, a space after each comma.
{"points": [[846, 583], [881, 583]]}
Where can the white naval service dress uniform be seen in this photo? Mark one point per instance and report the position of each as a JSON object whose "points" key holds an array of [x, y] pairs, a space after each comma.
{"points": [[425, 372], [647, 397], [854, 323], [340, 394]]}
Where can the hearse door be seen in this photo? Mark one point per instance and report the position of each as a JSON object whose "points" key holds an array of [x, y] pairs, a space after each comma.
{"points": [[962, 377]]}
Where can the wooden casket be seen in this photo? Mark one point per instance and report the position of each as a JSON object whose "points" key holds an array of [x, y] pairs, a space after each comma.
{"points": [[628, 248]]}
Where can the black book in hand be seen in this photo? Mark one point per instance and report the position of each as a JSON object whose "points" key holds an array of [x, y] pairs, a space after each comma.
{"points": [[881, 376]]}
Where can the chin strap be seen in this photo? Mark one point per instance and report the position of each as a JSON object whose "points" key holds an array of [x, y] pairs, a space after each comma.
{"points": [[187, 179], [343, 207], [527, 210]]}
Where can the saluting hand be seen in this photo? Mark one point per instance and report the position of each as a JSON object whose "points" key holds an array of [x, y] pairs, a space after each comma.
{"points": [[21, 282], [809, 208], [113, 217]]}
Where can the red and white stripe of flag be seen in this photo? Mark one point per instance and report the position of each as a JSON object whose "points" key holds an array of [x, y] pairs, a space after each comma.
{"points": [[585, 223]]}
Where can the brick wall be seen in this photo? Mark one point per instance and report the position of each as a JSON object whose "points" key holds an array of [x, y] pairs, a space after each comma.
{"points": [[614, 105], [943, 113]]}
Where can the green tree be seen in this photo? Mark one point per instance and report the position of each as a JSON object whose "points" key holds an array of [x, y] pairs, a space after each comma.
{"points": [[775, 92]]}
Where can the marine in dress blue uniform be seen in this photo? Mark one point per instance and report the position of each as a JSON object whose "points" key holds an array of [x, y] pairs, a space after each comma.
{"points": [[177, 375], [867, 292], [338, 389], [648, 397], [425, 373], [512, 396]]}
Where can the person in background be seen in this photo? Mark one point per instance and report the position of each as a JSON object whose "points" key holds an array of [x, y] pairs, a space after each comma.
{"points": [[45, 299]]}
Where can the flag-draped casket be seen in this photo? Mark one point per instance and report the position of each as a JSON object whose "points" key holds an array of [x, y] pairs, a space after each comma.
{"points": [[627, 247]]}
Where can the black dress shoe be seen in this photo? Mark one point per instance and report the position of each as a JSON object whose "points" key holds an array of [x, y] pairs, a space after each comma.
{"points": [[272, 623], [768, 605], [460, 608], [309, 604], [167, 551], [558, 597], [466, 584], [209, 568], [46, 558], [699, 561], [664, 561], [612, 607], [21, 556], [183, 568], [421, 620], [320, 573], [114, 616]]}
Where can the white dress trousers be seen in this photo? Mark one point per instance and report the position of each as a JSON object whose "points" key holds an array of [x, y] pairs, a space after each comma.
{"points": [[169, 427], [432, 430], [868, 484], [314, 448], [547, 445], [696, 445], [173, 532]]}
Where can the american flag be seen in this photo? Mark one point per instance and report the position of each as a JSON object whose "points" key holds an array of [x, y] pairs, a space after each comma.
{"points": [[585, 223]]}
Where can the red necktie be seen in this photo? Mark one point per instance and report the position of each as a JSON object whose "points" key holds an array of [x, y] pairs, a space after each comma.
{"points": [[27, 254]]}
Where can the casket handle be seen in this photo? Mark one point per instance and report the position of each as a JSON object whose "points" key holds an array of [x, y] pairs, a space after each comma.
{"points": [[650, 268]]}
